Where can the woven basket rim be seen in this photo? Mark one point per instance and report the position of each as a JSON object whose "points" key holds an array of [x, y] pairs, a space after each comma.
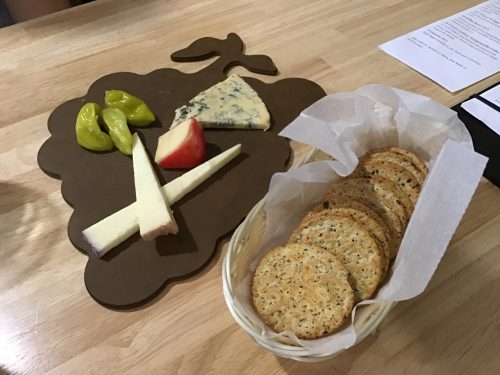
{"points": [[370, 324]]}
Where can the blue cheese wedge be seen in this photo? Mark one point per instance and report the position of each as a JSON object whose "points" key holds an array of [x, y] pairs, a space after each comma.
{"points": [[228, 104]]}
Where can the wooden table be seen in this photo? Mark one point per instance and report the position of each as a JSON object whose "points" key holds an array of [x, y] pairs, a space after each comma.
{"points": [[48, 322]]}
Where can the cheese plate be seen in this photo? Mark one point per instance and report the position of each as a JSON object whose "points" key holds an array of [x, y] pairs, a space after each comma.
{"points": [[97, 184]]}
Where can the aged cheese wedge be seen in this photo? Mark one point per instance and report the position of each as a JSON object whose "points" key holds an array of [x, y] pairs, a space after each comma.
{"points": [[228, 104], [116, 228], [153, 211]]}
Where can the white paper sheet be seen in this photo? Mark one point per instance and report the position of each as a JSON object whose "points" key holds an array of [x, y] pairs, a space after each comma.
{"points": [[489, 116], [454, 52], [346, 125], [493, 95]]}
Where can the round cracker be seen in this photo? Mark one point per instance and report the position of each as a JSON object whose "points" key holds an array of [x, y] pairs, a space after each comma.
{"points": [[394, 214], [386, 188], [415, 160], [303, 289], [335, 200], [380, 233], [392, 172], [342, 201], [400, 160], [350, 243]]}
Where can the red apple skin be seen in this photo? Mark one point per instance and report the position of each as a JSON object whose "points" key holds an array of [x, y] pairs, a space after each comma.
{"points": [[190, 153]]}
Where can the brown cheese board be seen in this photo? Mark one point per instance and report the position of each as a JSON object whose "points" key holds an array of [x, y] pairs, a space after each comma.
{"points": [[97, 184]]}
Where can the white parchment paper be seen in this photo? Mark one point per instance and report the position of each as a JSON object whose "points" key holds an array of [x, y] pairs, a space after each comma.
{"points": [[346, 125]]}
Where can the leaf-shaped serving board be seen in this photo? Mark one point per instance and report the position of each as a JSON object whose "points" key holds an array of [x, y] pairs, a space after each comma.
{"points": [[98, 184]]}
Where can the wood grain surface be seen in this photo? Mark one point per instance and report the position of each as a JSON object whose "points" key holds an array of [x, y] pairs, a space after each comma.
{"points": [[49, 323]]}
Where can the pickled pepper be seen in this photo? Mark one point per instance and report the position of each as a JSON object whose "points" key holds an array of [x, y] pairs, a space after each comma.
{"points": [[88, 133], [116, 123], [136, 111]]}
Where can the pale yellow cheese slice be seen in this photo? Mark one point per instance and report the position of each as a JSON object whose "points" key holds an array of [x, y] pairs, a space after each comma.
{"points": [[153, 210], [116, 228]]}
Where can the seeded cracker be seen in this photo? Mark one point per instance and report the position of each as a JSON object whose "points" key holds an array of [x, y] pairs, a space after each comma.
{"points": [[350, 243], [342, 201], [415, 160], [379, 232], [400, 160], [303, 289], [391, 171], [386, 235], [394, 193], [364, 188]]}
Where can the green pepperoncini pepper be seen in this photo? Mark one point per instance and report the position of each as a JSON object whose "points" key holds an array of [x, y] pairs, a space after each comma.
{"points": [[136, 111], [88, 133], [116, 123]]}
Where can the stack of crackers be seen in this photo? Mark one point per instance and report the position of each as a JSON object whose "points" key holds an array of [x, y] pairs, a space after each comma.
{"points": [[343, 249]]}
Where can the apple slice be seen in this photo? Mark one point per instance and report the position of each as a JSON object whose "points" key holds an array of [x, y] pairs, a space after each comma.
{"points": [[182, 146]]}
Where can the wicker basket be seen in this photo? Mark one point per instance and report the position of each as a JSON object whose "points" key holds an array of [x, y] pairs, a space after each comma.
{"points": [[243, 246]]}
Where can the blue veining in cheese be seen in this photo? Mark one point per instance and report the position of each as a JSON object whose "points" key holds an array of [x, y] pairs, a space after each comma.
{"points": [[228, 104]]}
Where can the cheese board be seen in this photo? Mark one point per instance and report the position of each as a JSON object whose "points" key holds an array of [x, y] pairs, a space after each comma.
{"points": [[97, 184]]}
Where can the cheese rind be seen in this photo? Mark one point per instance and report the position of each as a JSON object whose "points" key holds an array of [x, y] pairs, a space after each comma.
{"points": [[116, 228], [153, 210], [232, 103]]}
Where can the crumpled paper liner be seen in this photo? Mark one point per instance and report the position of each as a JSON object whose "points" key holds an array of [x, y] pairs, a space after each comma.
{"points": [[345, 126]]}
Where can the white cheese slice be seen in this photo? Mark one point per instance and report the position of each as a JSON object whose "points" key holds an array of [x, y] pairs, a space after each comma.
{"points": [[232, 103], [153, 211], [116, 228]]}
